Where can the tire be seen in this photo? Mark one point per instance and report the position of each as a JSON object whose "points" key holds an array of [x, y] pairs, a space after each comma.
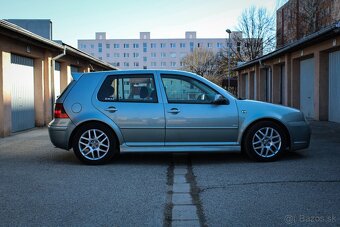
{"points": [[94, 144], [265, 141]]}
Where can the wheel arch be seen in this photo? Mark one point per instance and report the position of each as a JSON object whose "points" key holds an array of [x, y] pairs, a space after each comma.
{"points": [[116, 134], [279, 123]]}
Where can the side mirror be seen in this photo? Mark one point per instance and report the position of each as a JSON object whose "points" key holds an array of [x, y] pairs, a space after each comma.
{"points": [[220, 100]]}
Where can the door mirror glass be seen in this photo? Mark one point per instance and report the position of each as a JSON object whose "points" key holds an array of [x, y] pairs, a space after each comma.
{"points": [[220, 100]]}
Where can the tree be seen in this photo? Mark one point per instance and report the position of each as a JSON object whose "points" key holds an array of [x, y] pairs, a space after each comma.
{"points": [[309, 16], [200, 61], [206, 64], [257, 27]]}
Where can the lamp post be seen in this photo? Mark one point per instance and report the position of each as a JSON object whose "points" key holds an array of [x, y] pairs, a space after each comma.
{"points": [[229, 44]]}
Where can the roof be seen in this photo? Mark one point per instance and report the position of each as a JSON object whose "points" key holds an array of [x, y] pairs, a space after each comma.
{"points": [[69, 49], [323, 34]]}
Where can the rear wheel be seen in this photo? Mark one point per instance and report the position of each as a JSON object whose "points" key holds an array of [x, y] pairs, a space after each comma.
{"points": [[94, 144], [265, 141]]}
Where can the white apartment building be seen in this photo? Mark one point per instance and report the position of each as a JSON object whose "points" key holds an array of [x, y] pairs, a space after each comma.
{"points": [[147, 53]]}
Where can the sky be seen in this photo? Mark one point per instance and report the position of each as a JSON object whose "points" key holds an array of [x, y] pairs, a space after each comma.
{"points": [[124, 19]]}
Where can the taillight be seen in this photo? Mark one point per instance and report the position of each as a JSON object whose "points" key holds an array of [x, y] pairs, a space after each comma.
{"points": [[59, 111]]}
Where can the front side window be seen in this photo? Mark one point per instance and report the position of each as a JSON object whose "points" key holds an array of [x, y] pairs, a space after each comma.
{"points": [[187, 90], [129, 88]]}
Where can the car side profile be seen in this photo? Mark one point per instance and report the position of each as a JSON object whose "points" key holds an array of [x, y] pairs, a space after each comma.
{"points": [[101, 114]]}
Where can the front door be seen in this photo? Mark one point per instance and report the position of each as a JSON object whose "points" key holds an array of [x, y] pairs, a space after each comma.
{"points": [[131, 101], [192, 119]]}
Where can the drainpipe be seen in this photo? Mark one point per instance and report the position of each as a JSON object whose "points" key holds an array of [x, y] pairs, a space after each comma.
{"points": [[52, 72], [91, 67]]}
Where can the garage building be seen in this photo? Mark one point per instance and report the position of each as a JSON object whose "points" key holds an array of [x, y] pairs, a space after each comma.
{"points": [[33, 72], [304, 74]]}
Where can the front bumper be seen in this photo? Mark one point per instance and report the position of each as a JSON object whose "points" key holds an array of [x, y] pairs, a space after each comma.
{"points": [[60, 131], [300, 133]]}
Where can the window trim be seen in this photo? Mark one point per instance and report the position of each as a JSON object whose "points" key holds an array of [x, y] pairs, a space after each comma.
{"points": [[176, 76], [123, 76]]}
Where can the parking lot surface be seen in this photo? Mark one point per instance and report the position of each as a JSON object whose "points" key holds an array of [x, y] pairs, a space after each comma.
{"points": [[45, 186]]}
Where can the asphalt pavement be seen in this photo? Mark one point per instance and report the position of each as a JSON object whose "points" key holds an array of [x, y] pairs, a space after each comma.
{"points": [[44, 186]]}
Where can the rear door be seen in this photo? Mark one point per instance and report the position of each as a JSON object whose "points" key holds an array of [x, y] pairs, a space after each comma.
{"points": [[132, 102]]}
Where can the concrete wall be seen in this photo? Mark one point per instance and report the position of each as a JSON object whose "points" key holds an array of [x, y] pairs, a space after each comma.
{"points": [[291, 79]]}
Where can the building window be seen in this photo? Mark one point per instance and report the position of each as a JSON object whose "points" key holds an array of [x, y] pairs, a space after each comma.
{"points": [[238, 47], [209, 45], [198, 45], [145, 59], [163, 45], [173, 64], [172, 45], [173, 54], [92, 46], [163, 55], [117, 64], [163, 63], [108, 45], [107, 55], [181, 64], [191, 46], [126, 55], [135, 45], [153, 55], [219, 45], [153, 45], [145, 47], [182, 45], [100, 47], [100, 58], [153, 63], [136, 64], [116, 45], [182, 55], [116, 55], [126, 45], [126, 64], [136, 55]]}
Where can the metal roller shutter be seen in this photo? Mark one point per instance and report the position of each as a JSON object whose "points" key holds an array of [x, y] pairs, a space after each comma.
{"points": [[334, 85], [307, 87], [56, 80], [22, 93]]}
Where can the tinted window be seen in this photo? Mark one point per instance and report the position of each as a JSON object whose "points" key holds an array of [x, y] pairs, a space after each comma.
{"points": [[131, 88], [187, 90]]}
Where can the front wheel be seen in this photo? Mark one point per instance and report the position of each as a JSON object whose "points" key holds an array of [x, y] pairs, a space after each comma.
{"points": [[94, 144], [265, 141]]}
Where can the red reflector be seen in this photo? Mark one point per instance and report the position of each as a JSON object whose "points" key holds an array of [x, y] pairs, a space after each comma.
{"points": [[59, 111]]}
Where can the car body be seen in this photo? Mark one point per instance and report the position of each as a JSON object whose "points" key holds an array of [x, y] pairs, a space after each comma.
{"points": [[103, 113]]}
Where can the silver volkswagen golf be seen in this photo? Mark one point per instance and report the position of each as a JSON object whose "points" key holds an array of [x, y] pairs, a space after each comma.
{"points": [[101, 114]]}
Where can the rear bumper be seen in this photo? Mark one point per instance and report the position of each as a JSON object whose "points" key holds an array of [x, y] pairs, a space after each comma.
{"points": [[300, 132], [60, 131]]}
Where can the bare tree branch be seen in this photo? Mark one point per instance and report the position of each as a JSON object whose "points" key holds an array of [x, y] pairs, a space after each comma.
{"points": [[258, 34]]}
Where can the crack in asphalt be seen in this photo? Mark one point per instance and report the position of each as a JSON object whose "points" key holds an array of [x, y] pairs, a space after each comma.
{"points": [[267, 182]]}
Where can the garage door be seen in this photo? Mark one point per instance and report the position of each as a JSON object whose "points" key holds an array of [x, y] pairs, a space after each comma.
{"points": [[307, 87], [22, 93], [56, 80], [334, 85]]}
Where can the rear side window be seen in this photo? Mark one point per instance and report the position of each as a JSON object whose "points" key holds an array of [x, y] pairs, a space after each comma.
{"points": [[130, 88]]}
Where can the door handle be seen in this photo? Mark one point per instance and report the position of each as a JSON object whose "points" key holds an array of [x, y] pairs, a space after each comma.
{"points": [[111, 109], [174, 111]]}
